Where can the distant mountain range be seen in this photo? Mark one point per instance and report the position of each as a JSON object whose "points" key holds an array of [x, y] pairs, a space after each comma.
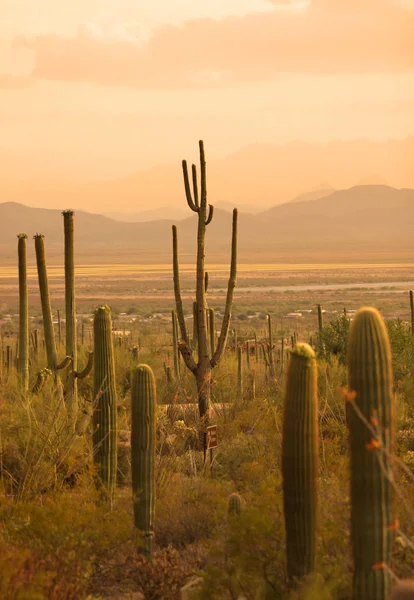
{"points": [[255, 176], [364, 221]]}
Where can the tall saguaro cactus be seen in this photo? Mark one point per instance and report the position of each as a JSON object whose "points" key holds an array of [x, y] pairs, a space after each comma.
{"points": [[203, 367], [371, 423], [71, 387], [45, 301], [143, 439], [104, 414], [23, 364], [300, 461]]}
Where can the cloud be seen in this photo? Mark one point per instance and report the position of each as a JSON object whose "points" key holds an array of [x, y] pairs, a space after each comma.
{"points": [[353, 36], [15, 82]]}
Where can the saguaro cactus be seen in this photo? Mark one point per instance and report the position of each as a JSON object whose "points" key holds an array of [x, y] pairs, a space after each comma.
{"points": [[104, 414], [23, 365], [202, 369], [176, 356], [412, 311], [371, 424], [234, 504], [71, 387], [45, 301], [143, 439], [300, 461]]}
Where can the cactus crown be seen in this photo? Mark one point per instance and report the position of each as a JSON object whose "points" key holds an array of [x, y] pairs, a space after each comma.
{"points": [[22, 236], [68, 211], [303, 349], [38, 236], [103, 307]]}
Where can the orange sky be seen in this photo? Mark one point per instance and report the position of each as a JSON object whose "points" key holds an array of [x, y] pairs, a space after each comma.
{"points": [[96, 89]]}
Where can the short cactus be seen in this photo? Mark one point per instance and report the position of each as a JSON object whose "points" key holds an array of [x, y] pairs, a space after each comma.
{"points": [[143, 438], [234, 504], [104, 414], [300, 461], [371, 422]]}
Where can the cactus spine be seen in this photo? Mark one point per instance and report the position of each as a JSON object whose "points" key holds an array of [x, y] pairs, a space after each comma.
{"points": [[50, 342], [143, 439], [104, 414], [371, 425], [203, 367], [23, 365], [300, 461]]}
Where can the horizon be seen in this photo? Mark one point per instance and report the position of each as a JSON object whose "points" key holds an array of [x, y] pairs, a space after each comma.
{"points": [[94, 92]]}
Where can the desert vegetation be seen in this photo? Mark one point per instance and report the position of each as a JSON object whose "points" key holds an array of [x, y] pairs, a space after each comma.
{"points": [[111, 485]]}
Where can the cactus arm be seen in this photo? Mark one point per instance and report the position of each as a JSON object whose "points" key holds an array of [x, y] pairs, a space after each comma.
{"points": [[210, 214], [221, 344], [206, 281], [88, 368], [183, 345], [65, 363], [177, 288], [190, 201], [195, 187], [203, 174]]}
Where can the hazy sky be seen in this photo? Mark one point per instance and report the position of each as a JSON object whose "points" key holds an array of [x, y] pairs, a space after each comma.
{"points": [[93, 89]]}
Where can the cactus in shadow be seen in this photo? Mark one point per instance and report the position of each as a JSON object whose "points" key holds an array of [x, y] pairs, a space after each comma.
{"points": [[23, 364], [71, 384], [143, 440], [176, 356], [239, 388], [212, 329], [371, 422], [204, 365], [45, 301], [412, 311], [105, 412], [300, 461], [234, 505]]}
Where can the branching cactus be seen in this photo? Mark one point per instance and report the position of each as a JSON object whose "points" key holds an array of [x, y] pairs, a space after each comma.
{"points": [[300, 461], [104, 414], [23, 364], [371, 422], [204, 365], [143, 440]]}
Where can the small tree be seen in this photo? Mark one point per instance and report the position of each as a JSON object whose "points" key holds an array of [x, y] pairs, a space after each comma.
{"points": [[206, 360]]}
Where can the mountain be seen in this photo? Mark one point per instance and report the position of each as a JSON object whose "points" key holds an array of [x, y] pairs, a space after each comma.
{"points": [[165, 212], [361, 222], [313, 195], [259, 174]]}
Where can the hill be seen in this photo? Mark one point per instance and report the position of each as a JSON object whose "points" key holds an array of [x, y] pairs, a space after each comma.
{"points": [[361, 222]]}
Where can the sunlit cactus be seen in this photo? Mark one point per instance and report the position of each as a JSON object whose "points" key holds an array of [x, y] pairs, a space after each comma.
{"points": [[371, 421], [104, 415]]}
